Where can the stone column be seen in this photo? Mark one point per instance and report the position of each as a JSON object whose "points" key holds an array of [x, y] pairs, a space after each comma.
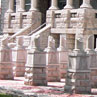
{"points": [[63, 55], [22, 6], [6, 71], [86, 4], [54, 5], [52, 62], [34, 5], [35, 72], [78, 73], [11, 6], [69, 4], [19, 57]]}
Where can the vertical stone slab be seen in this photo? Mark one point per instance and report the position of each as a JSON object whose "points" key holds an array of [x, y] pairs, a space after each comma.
{"points": [[35, 72], [6, 68], [19, 57], [93, 67], [53, 67], [52, 61], [63, 55], [78, 74], [63, 61]]}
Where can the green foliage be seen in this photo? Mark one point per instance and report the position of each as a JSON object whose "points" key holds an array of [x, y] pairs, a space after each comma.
{"points": [[4, 95]]}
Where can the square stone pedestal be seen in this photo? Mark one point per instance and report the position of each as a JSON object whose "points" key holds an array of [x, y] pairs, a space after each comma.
{"points": [[19, 60], [93, 67], [53, 67], [35, 72], [78, 74], [63, 61], [6, 68]]}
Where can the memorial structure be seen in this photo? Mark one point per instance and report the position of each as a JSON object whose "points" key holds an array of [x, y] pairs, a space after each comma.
{"points": [[52, 39]]}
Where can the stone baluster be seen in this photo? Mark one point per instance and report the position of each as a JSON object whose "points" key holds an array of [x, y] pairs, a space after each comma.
{"points": [[22, 6], [11, 6], [34, 5], [69, 4], [54, 5], [86, 4]]}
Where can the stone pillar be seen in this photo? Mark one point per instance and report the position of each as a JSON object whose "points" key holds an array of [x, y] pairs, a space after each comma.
{"points": [[78, 73], [54, 5], [22, 6], [35, 73], [63, 55], [19, 57], [34, 4], [11, 6], [86, 4], [92, 62], [52, 61], [69, 4], [6, 67]]}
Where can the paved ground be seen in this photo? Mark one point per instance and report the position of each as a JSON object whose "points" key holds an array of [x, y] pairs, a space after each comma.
{"points": [[54, 89]]}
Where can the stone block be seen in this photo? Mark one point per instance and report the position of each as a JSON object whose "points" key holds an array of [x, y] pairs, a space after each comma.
{"points": [[52, 58], [35, 72], [78, 73], [53, 72]]}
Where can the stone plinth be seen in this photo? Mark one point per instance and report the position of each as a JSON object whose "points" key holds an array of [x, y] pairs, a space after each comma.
{"points": [[35, 72], [53, 67], [6, 67], [19, 59], [78, 74], [93, 67], [63, 61]]}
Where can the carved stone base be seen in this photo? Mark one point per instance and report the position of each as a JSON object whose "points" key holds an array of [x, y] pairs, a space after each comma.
{"points": [[35, 76], [35, 72], [19, 69], [78, 82], [94, 78], [78, 74], [53, 73], [6, 71]]}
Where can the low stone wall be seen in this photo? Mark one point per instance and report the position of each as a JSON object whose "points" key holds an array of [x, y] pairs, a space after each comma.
{"points": [[53, 72], [63, 70], [94, 78]]}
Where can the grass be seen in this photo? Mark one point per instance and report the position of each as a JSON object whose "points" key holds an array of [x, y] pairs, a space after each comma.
{"points": [[5, 95]]}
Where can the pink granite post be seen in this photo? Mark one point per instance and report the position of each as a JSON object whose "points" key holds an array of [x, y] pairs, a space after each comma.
{"points": [[6, 68], [19, 58]]}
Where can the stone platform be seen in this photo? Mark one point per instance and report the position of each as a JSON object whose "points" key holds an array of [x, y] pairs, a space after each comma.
{"points": [[53, 89]]}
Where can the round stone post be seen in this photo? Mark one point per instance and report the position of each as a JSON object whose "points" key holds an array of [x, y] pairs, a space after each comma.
{"points": [[11, 6], [69, 4], [54, 5], [86, 4], [22, 6], [34, 5]]}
